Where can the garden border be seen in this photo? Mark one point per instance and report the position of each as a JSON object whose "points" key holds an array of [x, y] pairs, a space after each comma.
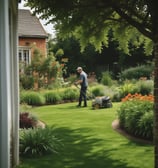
{"points": [[40, 124], [116, 127]]}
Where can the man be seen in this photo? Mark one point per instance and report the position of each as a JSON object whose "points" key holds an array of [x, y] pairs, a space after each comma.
{"points": [[84, 84]]}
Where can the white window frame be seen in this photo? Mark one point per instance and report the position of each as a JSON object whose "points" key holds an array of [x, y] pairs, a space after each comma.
{"points": [[25, 57]]}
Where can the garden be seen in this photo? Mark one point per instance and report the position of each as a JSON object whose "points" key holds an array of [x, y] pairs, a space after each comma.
{"points": [[84, 137]]}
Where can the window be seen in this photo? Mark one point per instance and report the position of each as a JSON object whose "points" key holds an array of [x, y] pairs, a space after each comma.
{"points": [[24, 57]]}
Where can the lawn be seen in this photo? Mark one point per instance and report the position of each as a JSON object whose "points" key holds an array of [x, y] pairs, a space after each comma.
{"points": [[89, 140]]}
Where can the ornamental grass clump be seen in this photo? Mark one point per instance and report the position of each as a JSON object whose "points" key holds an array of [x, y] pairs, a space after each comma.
{"points": [[70, 94], [32, 98], [136, 115], [39, 141], [52, 97]]}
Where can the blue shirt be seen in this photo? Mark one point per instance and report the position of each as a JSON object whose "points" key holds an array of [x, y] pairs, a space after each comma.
{"points": [[83, 77]]}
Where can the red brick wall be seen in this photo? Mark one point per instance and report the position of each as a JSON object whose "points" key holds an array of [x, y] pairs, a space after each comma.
{"points": [[40, 43]]}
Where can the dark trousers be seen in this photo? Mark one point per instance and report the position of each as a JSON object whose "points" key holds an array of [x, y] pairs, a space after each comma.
{"points": [[83, 96]]}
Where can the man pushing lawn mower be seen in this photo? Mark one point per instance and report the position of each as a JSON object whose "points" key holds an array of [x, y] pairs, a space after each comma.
{"points": [[83, 82]]}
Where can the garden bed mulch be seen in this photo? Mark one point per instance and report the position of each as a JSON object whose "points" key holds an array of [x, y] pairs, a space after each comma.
{"points": [[116, 127]]}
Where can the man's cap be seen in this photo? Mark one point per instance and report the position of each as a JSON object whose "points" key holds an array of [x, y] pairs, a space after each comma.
{"points": [[79, 68]]}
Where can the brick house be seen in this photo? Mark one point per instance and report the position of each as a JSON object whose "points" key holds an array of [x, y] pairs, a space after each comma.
{"points": [[31, 34]]}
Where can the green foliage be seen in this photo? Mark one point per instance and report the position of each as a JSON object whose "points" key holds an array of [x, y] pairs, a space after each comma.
{"points": [[59, 53], [116, 97], [106, 78], [36, 61], [54, 85], [100, 17], [137, 72], [70, 94], [116, 91], [50, 68], [72, 78], [49, 97], [52, 97], [146, 125], [32, 98], [42, 70], [126, 88], [35, 142], [97, 90], [26, 81], [145, 87], [134, 114]]}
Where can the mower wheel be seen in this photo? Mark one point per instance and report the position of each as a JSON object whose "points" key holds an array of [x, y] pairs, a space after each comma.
{"points": [[96, 106]]}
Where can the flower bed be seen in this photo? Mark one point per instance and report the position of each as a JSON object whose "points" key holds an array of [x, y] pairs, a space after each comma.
{"points": [[136, 115]]}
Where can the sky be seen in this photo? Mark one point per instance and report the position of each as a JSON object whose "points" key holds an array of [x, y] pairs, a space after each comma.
{"points": [[48, 28]]}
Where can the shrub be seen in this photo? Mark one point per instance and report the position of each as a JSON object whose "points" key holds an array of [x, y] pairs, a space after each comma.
{"points": [[52, 97], [137, 72], [27, 120], [106, 79], [35, 142], [32, 98], [97, 90], [134, 113]]}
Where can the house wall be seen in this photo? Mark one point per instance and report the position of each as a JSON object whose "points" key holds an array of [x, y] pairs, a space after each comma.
{"points": [[40, 43]]}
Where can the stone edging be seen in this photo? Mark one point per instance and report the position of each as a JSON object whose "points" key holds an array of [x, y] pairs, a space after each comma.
{"points": [[116, 127], [40, 124]]}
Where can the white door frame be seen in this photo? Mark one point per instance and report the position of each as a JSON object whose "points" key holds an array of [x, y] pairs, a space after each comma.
{"points": [[9, 96]]}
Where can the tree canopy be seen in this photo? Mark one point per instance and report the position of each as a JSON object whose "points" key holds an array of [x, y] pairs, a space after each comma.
{"points": [[90, 21]]}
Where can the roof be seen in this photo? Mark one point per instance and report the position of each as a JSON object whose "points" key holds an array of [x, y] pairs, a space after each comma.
{"points": [[29, 25]]}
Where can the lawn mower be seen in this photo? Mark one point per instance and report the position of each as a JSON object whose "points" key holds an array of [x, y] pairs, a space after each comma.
{"points": [[101, 102]]}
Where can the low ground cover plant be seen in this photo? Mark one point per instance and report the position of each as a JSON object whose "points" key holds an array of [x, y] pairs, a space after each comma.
{"points": [[136, 115]]}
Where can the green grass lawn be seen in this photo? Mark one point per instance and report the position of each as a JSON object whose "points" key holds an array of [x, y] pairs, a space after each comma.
{"points": [[89, 140]]}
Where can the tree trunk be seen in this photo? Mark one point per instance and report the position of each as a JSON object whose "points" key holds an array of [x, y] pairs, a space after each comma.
{"points": [[156, 104]]}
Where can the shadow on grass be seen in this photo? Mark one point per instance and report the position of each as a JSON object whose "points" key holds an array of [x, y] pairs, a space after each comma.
{"points": [[79, 151]]}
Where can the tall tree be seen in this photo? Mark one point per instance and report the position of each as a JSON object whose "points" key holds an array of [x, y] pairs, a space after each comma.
{"points": [[133, 21]]}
